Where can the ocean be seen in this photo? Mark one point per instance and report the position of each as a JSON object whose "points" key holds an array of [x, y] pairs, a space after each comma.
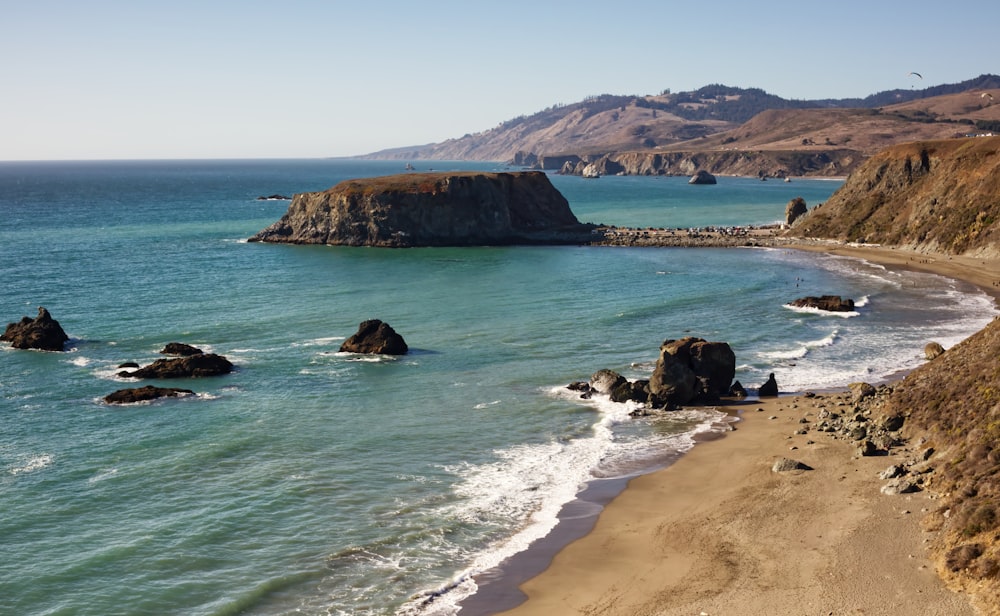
{"points": [[314, 482]]}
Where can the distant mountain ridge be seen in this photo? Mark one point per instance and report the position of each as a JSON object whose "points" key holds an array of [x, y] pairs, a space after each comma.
{"points": [[718, 117]]}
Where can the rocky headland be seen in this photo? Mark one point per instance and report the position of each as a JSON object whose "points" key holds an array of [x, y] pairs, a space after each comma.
{"points": [[431, 209], [926, 196]]}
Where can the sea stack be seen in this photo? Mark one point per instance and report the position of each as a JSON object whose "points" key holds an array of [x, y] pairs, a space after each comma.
{"points": [[43, 333], [375, 336], [432, 209]]}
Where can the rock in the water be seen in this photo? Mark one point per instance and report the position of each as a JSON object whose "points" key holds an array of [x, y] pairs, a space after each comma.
{"points": [[692, 367], [43, 333], [784, 465], [179, 348], [432, 209], [932, 350], [635, 391], [375, 336], [203, 364], [828, 303], [702, 177], [769, 388], [142, 394], [795, 209], [604, 381]]}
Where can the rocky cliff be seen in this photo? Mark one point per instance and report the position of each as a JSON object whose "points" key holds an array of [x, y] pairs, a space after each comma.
{"points": [[431, 209], [775, 164], [930, 196]]}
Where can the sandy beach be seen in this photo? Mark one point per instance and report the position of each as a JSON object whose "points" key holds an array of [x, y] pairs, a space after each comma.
{"points": [[720, 532]]}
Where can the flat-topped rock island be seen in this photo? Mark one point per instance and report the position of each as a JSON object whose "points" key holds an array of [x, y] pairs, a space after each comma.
{"points": [[470, 208]]}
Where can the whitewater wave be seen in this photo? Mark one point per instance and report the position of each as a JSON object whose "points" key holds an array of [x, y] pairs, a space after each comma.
{"points": [[823, 313], [531, 483], [32, 464], [802, 348]]}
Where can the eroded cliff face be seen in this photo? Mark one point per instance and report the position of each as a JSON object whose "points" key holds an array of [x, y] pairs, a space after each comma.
{"points": [[775, 164], [931, 196], [431, 209]]}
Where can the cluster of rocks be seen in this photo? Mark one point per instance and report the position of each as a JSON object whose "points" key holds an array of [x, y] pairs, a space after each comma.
{"points": [[45, 333], [190, 362], [689, 370], [859, 417]]}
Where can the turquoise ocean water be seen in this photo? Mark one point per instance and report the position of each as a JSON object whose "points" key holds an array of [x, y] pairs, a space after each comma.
{"points": [[313, 482]]}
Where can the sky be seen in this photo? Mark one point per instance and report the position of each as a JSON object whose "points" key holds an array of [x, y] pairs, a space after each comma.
{"points": [[183, 79]]}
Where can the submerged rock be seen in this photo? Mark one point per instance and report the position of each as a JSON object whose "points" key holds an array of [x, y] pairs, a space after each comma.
{"points": [[142, 394], [43, 333], [202, 364]]}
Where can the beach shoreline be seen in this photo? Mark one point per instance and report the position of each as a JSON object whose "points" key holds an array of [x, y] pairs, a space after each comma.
{"points": [[717, 532]]}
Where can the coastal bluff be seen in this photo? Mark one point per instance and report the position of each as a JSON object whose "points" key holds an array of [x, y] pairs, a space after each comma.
{"points": [[925, 196], [465, 208]]}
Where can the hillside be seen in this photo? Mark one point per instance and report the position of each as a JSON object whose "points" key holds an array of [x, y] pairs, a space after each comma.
{"points": [[941, 198], [930, 196], [716, 118]]}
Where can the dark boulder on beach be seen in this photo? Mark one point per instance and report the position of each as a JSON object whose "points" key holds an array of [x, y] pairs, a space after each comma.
{"points": [[737, 390], [203, 364], [692, 368], [375, 336], [143, 394], [769, 388], [43, 333], [702, 177], [828, 303], [179, 348]]}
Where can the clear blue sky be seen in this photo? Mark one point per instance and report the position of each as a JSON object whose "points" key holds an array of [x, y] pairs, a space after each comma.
{"points": [[102, 79]]}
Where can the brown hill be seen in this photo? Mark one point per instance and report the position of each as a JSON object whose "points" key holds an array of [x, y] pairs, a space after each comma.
{"points": [[931, 196], [941, 197], [719, 119]]}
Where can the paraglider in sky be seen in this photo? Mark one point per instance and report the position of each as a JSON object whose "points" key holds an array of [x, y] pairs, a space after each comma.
{"points": [[917, 74], [986, 95]]}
